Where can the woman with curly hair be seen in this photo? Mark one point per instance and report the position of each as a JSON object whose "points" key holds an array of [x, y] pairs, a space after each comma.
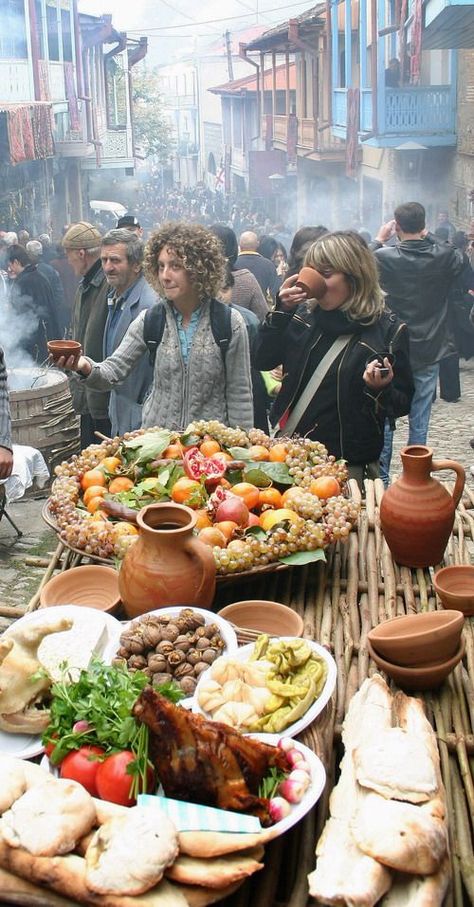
{"points": [[192, 378], [345, 355]]}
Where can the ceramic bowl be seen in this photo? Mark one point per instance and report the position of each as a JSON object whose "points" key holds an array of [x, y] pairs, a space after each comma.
{"points": [[426, 678], [455, 587], [58, 348], [418, 639], [264, 616], [312, 282], [92, 585]]}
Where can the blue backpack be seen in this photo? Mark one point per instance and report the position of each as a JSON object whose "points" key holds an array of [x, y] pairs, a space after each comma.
{"points": [[155, 319]]}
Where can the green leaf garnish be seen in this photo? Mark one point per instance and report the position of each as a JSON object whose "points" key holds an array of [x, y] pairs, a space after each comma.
{"points": [[304, 557]]}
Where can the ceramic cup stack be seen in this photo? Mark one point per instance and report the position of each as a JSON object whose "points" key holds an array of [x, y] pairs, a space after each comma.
{"points": [[418, 651]]}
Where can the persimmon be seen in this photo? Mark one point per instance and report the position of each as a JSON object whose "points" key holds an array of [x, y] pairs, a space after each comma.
{"points": [[186, 489], [93, 477], [93, 491], [278, 453], [111, 464], [212, 536], [209, 447], [100, 517], [325, 487], [290, 494], [203, 521], [121, 483], [250, 493], [271, 517], [173, 451], [94, 503], [227, 527], [258, 452], [271, 497]]}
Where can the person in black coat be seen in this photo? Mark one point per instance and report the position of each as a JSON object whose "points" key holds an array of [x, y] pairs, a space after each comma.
{"points": [[32, 302], [370, 378]]}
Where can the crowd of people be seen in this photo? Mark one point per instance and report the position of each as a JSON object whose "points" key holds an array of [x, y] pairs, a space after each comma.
{"points": [[204, 321]]}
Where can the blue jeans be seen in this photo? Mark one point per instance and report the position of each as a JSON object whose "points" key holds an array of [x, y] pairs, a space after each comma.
{"points": [[425, 381]]}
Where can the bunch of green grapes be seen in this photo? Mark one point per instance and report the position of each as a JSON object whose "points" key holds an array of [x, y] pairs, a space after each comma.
{"points": [[226, 436], [340, 514]]}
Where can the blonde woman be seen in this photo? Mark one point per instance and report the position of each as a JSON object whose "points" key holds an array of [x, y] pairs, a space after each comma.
{"points": [[345, 355], [193, 377]]}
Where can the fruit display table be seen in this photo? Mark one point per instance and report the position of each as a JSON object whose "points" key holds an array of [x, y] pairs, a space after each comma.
{"points": [[340, 601]]}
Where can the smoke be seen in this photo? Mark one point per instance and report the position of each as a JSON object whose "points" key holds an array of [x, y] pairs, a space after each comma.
{"points": [[18, 329]]}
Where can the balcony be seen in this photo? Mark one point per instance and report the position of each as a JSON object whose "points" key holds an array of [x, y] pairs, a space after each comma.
{"points": [[311, 141], [423, 113], [449, 24], [16, 80]]}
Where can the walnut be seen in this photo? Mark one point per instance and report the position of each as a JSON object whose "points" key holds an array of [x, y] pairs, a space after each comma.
{"points": [[157, 662], [188, 685], [119, 662], [182, 642], [160, 678], [202, 643], [193, 656], [152, 634], [200, 667], [191, 619], [209, 655], [183, 670], [200, 631], [171, 632], [132, 642], [176, 658], [164, 647], [122, 652], [217, 641], [137, 662]]}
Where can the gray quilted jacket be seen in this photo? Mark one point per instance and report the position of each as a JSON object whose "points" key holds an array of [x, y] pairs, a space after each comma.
{"points": [[202, 389]]}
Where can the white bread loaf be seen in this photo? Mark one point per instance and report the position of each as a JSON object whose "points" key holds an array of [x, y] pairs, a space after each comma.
{"points": [[87, 637]]}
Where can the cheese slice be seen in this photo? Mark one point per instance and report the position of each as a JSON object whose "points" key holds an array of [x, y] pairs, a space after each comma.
{"points": [[75, 647]]}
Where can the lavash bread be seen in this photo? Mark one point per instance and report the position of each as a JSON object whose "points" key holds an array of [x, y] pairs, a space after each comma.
{"points": [[12, 782], [396, 766], [216, 872], [145, 834], [345, 875], [419, 891], [49, 819]]}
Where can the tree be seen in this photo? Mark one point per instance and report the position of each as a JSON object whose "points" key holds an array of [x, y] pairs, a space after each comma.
{"points": [[153, 132]]}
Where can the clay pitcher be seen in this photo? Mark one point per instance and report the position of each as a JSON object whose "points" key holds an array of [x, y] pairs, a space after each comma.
{"points": [[167, 565], [417, 512]]}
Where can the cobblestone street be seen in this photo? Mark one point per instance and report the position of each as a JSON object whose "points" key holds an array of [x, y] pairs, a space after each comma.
{"points": [[451, 428]]}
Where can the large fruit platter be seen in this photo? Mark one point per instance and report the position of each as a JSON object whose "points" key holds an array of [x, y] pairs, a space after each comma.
{"points": [[259, 502]]}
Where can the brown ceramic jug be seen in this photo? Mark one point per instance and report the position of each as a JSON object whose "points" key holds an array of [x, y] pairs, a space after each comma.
{"points": [[167, 565], [417, 512]]}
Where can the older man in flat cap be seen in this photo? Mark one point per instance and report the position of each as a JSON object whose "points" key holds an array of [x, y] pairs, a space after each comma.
{"points": [[81, 244]]}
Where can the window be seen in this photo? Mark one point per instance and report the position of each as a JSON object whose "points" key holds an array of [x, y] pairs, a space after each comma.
{"points": [[53, 29], [67, 37], [13, 31], [116, 91]]}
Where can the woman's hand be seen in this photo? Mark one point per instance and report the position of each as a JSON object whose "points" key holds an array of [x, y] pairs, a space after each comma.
{"points": [[374, 375], [82, 365], [290, 295]]}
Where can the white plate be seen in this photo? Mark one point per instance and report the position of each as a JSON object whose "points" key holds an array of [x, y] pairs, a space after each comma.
{"points": [[226, 630], [25, 746], [244, 653], [314, 791]]}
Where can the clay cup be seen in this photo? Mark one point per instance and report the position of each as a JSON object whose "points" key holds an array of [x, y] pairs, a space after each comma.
{"points": [[312, 282], [66, 348]]}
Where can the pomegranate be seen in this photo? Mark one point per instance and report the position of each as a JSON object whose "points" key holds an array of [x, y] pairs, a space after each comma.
{"points": [[195, 465], [233, 508]]}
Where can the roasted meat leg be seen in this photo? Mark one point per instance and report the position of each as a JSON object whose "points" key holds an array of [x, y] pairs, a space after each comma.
{"points": [[206, 762]]}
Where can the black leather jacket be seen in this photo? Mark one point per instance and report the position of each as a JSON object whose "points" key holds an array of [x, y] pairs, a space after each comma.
{"points": [[353, 429], [417, 275]]}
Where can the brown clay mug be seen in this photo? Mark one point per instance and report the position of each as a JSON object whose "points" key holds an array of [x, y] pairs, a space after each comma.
{"points": [[66, 348], [312, 282]]}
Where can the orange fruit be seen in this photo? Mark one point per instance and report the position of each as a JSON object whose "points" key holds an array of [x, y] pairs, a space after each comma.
{"points": [[278, 453], [227, 527], [224, 455], [289, 495], [325, 487], [94, 503], [209, 447], [121, 483], [269, 518], [125, 528], [212, 536], [93, 491], [259, 452], [92, 477], [250, 493], [203, 520], [173, 452], [270, 496], [111, 464], [184, 489]]}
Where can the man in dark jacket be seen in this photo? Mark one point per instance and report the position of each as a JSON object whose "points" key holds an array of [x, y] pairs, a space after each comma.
{"points": [[81, 244], [35, 251], [417, 274], [263, 270], [32, 300]]}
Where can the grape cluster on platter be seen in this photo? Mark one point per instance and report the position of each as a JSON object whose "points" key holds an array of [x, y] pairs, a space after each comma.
{"points": [[258, 500]]}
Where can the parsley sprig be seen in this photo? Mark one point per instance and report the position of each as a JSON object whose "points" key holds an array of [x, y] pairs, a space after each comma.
{"points": [[268, 786]]}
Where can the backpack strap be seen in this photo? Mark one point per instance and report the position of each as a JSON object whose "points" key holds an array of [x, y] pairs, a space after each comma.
{"points": [[153, 327], [221, 325]]}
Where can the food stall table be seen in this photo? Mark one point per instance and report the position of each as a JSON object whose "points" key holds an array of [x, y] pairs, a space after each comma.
{"points": [[340, 601]]}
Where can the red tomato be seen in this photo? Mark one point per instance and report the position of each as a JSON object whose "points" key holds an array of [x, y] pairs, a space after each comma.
{"points": [[113, 781], [82, 765], [51, 745]]}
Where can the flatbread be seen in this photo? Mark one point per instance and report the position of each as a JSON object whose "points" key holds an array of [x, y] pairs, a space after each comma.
{"points": [[396, 765], [419, 891], [216, 844], [13, 781], [216, 872], [49, 820]]}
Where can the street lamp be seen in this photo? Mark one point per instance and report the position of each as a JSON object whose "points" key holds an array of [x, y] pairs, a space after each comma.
{"points": [[276, 183]]}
